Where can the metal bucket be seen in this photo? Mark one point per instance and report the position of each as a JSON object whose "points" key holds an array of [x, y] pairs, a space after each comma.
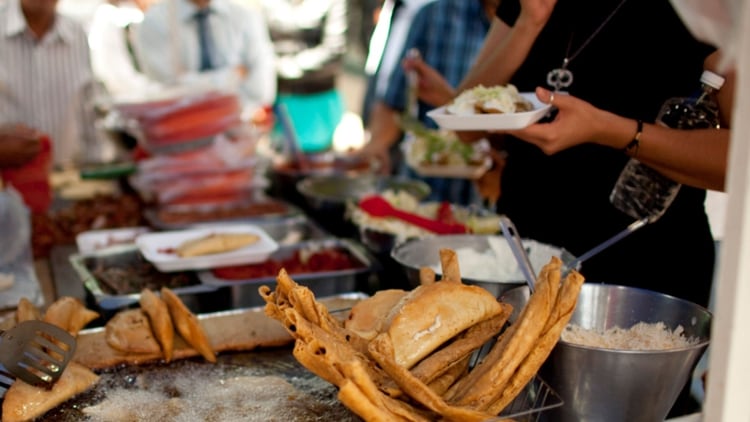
{"points": [[615, 385]]}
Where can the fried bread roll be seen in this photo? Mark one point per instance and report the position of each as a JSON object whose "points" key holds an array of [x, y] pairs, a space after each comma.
{"points": [[188, 325], [216, 243], [161, 322]]}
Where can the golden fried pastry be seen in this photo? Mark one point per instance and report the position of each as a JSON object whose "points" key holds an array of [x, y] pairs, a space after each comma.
{"points": [[27, 311], [188, 325], [130, 331], [216, 243], [429, 316], [161, 322], [24, 402], [368, 316], [70, 314]]}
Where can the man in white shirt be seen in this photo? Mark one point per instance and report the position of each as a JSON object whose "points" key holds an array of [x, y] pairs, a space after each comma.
{"points": [[113, 50], [46, 82], [240, 56]]}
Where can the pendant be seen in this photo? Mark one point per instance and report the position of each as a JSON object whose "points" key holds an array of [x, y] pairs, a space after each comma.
{"points": [[559, 78]]}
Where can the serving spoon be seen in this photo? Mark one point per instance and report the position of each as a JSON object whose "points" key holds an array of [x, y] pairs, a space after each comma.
{"points": [[377, 206]]}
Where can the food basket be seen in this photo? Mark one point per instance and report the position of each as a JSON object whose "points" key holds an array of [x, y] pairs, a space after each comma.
{"points": [[537, 398]]}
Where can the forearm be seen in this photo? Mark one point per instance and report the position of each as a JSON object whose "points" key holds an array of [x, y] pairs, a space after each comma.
{"points": [[692, 157], [384, 128], [502, 53]]}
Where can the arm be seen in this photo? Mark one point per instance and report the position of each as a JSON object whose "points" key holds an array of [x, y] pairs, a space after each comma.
{"points": [[110, 58], [259, 85], [504, 50], [18, 144], [384, 133], [693, 157]]}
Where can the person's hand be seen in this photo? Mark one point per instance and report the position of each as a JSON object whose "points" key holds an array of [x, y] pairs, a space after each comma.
{"points": [[241, 71], [488, 185], [433, 88], [575, 123], [536, 12], [18, 144], [376, 154]]}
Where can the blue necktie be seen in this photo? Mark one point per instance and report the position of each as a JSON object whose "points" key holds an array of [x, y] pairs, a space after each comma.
{"points": [[204, 39]]}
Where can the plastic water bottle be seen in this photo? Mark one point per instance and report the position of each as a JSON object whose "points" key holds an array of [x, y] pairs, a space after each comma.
{"points": [[642, 192]]}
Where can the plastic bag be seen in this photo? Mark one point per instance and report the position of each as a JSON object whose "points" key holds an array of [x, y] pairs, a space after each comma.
{"points": [[15, 256]]}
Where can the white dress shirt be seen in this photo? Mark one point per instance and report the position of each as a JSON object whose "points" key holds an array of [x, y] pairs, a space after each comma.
{"points": [[388, 39], [47, 84], [169, 51], [112, 62]]}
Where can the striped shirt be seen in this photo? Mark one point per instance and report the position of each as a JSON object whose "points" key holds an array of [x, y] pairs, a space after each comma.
{"points": [[45, 83], [448, 35]]}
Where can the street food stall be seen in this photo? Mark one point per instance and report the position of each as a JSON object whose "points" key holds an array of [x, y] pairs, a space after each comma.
{"points": [[277, 343]]}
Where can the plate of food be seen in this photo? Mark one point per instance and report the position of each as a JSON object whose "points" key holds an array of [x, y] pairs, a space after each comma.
{"points": [[490, 108], [440, 153], [207, 247]]}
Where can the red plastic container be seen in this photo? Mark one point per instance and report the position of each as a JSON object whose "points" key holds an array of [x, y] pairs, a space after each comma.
{"points": [[31, 180]]}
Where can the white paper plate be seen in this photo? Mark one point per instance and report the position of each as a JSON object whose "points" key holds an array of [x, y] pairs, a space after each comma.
{"points": [[447, 171], [157, 248], [507, 121], [93, 240]]}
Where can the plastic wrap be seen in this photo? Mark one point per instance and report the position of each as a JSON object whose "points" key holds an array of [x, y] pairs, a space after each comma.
{"points": [[16, 262]]}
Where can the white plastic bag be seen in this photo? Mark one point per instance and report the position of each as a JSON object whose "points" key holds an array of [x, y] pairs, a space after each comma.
{"points": [[16, 259]]}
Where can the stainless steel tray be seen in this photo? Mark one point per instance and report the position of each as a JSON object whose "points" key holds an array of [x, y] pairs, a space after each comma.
{"points": [[124, 258], [151, 214], [244, 293]]}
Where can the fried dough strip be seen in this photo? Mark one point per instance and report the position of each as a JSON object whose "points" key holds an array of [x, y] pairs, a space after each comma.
{"points": [[530, 366], [479, 392], [441, 384], [449, 265], [381, 349], [161, 322], [335, 349], [362, 395], [188, 325], [426, 276], [308, 354], [465, 343]]}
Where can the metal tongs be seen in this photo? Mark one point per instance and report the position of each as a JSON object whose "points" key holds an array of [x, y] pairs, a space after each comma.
{"points": [[35, 352], [570, 262]]}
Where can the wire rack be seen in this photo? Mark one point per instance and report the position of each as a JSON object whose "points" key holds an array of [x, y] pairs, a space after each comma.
{"points": [[536, 398]]}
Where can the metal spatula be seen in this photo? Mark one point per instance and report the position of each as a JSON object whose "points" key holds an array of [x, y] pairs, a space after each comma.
{"points": [[36, 352]]}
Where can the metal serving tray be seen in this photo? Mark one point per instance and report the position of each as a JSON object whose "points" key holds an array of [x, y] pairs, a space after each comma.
{"points": [[152, 215], [119, 260], [244, 293]]}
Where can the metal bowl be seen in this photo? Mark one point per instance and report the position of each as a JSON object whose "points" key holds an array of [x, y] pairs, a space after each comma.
{"points": [[326, 196], [335, 190], [413, 254], [621, 385]]}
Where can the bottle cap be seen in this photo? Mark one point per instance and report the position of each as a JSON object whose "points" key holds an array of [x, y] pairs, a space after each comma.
{"points": [[712, 79]]}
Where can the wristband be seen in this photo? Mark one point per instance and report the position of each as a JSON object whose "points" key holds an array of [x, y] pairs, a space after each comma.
{"points": [[635, 143]]}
